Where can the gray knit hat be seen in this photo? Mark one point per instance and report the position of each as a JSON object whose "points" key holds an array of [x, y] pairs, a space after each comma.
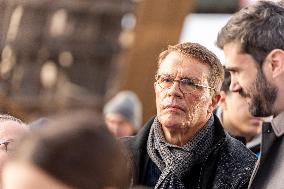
{"points": [[127, 104]]}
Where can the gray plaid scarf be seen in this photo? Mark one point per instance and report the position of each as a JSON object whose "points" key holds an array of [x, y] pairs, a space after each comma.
{"points": [[174, 161]]}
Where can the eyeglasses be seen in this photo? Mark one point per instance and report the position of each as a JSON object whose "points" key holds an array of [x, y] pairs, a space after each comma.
{"points": [[186, 85], [6, 145]]}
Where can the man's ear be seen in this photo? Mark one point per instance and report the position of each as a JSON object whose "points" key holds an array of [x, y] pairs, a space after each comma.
{"points": [[215, 100], [222, 101], [275, 60]]}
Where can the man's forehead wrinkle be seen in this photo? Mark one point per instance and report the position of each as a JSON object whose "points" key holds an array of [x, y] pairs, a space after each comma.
{"points": [[10, 124], [179, 64]]}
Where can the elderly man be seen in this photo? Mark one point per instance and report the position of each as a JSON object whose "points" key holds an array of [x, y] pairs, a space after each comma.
{"points": [[185, 146], [253, 43], [11, 129]]}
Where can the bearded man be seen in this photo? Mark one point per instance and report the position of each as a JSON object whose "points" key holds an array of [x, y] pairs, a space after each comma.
{"points": [[253, 43]]}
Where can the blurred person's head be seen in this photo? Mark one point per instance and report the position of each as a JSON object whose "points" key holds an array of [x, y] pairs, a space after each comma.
{"points": [[75, 151], [11, 129], [236, 118], [123, 114], [253, 44]]}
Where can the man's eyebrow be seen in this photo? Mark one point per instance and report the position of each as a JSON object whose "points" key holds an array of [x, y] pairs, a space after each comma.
{"points": [[165, 74], [232, 69]]}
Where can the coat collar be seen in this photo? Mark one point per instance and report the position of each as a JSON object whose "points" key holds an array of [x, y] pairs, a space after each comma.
{"points": [[140, 140], [277, 124], [137, 145]]}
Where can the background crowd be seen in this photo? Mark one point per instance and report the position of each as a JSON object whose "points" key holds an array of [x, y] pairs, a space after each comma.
{"points": [[216, 126]]}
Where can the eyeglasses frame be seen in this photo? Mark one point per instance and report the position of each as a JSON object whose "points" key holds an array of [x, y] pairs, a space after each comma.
{"points": [[157, 76]]}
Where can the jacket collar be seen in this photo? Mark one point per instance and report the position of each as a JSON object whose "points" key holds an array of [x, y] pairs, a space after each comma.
{"points": [[277, 124], [140, 140], [138, 145]]}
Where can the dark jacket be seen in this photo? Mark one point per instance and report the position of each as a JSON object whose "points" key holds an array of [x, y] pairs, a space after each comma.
{"points": [[270, 167], [253, 145], [229, 165]]}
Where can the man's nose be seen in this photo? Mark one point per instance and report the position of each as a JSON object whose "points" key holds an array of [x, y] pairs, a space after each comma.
{"points": [[175, 89], [235, 86]]}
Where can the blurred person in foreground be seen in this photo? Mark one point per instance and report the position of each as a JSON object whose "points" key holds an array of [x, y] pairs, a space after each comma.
{"points": [[123, 114], [76, 151], [233, 111], [185, 146], [11, 130], [253, 44]]}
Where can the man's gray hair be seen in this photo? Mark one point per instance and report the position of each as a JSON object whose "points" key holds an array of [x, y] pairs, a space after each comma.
{"points": [[7, 117]]}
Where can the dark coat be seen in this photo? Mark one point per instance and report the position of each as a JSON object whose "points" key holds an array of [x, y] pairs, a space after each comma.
{"points": [[270, 167], [229, 165]]}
